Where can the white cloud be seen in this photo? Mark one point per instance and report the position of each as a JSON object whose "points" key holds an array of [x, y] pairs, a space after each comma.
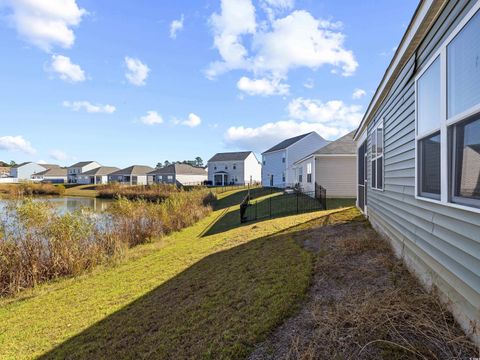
{"points": [[16, 143], [309, 83], [152, 118], [296, 40], [334, 113], [176, 26], [330, 119], [264, 87], [358, 93], [262, 137], [58, 155], [280, 4], [63, 67], [192, 120], [45, 23], [89, 107], [137, 71], [237, 18]]}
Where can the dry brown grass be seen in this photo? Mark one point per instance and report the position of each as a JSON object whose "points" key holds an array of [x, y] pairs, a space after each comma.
{"points": [[38, 244], [156, 192], [31, 189], [366, 305]]}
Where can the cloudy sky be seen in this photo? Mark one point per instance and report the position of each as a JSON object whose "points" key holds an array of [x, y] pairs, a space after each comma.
{"points": [[143, 81]]}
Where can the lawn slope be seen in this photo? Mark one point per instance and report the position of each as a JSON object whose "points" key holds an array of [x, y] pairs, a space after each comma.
{"points": [[194, 294]]}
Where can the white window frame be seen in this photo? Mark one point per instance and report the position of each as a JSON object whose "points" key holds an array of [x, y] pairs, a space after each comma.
{"points": [[309, 172], [446, 184], [375, 157]]}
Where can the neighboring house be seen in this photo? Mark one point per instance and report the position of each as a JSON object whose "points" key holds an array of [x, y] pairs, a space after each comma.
{"points": [[24, 171], [79, 168], [418, 154], [234, 168], [96, 176], [334, 167], [54, 174], [4, 171], [132, 175], [180, 174], [278, 161]]}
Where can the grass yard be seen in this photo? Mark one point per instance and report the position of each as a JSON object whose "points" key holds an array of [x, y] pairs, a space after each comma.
{"points": [[81, 190], [193, 294]]}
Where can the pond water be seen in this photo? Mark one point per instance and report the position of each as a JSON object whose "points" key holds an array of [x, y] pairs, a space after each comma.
{"points": [[65, 204]]}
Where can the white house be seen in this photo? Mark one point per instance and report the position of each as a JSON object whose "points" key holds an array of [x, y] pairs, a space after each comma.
{"points": [[234, 168], [278, 161], [180, 174], [54, 174], [80, 167], [24, 171], [334, 167], [98, 175], [132, 175]]}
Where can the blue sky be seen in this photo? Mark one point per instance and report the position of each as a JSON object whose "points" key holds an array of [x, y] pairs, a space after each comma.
{"points": [[137, 82]]}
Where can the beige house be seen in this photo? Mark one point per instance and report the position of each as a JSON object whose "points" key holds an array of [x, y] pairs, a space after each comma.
{"points": [[333, 166], [179, 174]]}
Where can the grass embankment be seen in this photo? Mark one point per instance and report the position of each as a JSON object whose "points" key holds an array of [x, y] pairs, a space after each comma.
{"points": [[81, 190], [38, 244], [195, 294]]}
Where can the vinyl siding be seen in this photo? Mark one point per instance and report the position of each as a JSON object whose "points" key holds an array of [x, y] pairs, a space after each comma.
{"points": [[440, 244], [337, 175]]}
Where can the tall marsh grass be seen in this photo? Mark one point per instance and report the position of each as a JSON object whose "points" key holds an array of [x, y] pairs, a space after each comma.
{"points": [[38, 244], [31, 189], [156, 192]]}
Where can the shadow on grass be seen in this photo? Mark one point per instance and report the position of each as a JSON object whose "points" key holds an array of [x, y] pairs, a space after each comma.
{"points": [[218, 308]]}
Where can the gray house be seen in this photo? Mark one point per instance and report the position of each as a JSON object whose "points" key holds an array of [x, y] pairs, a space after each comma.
{"points": [[132, 175], [180, 174], [24, 171], [79, 168], [419, 153], [54, 174], [96, 176]]}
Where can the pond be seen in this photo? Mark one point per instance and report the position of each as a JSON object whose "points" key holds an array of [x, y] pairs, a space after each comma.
{"points": [[65, 204]]}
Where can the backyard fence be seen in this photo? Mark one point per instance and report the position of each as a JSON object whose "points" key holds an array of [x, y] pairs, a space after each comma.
{"points": [[283, 203]]}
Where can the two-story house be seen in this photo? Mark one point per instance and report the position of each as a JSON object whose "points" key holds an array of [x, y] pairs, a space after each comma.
{"points": [[234, 168], [76, 169], [278, 161], [24, 171]]}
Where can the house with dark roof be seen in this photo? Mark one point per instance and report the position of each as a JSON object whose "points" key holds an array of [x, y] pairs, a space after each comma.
{"points": [[79, 168], [234, 168], [278, 161], [53, 174], [132, 175], [179, 174], [333, 166], [96, 176], [418, 148]]}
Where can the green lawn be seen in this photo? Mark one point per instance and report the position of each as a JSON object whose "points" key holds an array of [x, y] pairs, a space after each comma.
{"points": [[197, 293]]}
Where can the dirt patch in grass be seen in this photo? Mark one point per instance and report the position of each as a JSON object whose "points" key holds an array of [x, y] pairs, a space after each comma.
{"points": [[364, 304]]}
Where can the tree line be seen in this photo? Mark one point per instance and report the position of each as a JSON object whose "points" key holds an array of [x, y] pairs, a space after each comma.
{"points": [[198, 162]]}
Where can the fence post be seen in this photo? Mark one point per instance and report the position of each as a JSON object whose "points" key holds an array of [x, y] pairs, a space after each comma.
{"points": [[297, 201], [256, 213]]}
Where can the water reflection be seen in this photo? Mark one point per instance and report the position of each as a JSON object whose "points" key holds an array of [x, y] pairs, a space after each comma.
{"points": [[70, 204]]}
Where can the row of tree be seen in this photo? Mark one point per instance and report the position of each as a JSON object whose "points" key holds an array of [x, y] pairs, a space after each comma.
{"points": [[198, 162], [4, 164]]}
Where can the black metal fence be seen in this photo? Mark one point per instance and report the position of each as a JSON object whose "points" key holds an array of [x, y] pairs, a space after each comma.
{"points": [[282, 203]]}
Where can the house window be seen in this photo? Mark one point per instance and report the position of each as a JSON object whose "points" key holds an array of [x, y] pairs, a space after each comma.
{"points": [[234, 166], [226, 167], [263, 162], [309, 172], [283, 159], [376, 140], [466, 162], [428, 121], [170, 178], [429, 166], [283, 177], [300, 175], [448, 122], [214, 168]]}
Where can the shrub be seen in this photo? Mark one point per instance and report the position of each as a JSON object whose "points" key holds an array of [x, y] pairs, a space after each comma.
{"points": [[30, 189], [38, 244], [157, 192]]}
